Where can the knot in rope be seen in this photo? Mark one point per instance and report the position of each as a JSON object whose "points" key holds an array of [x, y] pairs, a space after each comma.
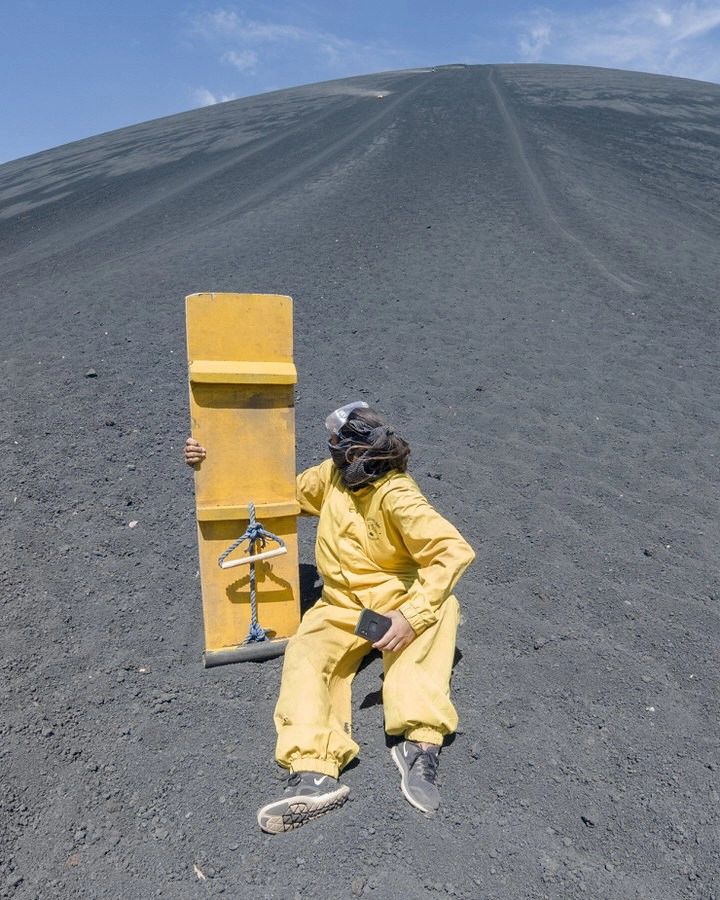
{"points": [[254, 534]]}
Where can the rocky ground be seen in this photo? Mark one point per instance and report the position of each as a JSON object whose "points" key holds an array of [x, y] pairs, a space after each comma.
{"points": [[519, 265]]}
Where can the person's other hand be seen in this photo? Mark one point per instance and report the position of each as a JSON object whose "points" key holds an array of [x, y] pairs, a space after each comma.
{"points": [[398, 636], [193, 453]]}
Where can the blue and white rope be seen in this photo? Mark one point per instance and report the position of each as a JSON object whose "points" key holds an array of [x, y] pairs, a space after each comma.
{"points": [[254, 534]]}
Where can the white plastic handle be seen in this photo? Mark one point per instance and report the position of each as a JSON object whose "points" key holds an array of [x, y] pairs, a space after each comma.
{"points": [[225, 564]]}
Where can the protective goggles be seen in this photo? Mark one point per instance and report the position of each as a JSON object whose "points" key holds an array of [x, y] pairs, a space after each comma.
{"points": [[337, 419]]}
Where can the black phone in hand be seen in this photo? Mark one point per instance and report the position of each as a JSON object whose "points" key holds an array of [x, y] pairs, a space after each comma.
{"points": [[372, 625]]}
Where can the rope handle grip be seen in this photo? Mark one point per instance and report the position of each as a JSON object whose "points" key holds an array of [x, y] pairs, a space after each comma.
{"points": [[251, 559], [255, 534]]}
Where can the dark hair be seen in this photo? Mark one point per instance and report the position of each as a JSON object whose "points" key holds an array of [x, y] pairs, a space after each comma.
{"points": [[368, 434]]}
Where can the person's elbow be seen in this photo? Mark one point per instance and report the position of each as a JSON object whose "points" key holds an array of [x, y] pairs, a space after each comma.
{"points": [[467, 555]]}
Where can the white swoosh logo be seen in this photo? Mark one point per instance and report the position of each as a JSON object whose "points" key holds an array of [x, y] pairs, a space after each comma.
{"points": [[319, 781]]}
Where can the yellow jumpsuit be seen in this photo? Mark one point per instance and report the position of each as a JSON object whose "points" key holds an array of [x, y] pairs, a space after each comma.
{"points": [[382, 547]]}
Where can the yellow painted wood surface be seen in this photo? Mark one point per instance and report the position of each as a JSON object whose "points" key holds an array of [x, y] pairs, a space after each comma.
{"points": [[241, 376]]}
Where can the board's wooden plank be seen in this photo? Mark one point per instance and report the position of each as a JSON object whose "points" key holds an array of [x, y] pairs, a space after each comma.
{"points": [[247, 426]]}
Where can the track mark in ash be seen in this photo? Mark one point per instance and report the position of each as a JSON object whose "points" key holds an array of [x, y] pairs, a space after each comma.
{"points": [[625, 282], [293, 168], [214, 192]]}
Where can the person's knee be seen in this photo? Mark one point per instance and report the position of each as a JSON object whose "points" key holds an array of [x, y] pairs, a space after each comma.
{"points": [[300, 661]]}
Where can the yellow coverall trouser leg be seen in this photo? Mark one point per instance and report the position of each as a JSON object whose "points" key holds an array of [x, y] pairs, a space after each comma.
{"points": [[416, 692], [313, 712], [313, 715]]}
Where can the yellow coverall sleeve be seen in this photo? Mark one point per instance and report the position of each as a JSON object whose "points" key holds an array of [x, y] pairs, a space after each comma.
{"points": [[439, 550], [311, 487]]}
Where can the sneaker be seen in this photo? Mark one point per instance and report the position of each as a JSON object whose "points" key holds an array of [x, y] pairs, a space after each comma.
{"points": [[306, 796], [418, 769]]}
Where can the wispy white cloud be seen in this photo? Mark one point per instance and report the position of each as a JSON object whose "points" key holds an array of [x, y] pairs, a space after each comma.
{"points": [[230, 25], [204, 97], [256, 47], [535, 41], [668, 37], [244, 61]]}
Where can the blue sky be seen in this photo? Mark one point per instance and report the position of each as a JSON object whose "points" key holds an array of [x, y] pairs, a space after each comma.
{"points": [[74, 68]]}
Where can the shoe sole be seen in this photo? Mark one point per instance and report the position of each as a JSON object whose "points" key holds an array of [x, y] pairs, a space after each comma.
{"points": [[294, 812], [395, 753]]}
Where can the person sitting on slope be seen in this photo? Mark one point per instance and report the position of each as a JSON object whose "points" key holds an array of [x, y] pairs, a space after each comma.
{"points": [[380, 545]]}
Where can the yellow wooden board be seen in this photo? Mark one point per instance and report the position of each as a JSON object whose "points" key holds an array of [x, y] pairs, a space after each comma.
{"points": [[242, 407]]}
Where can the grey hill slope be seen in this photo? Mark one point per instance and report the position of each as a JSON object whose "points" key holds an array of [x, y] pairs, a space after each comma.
{"points": [[520, 265]]}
